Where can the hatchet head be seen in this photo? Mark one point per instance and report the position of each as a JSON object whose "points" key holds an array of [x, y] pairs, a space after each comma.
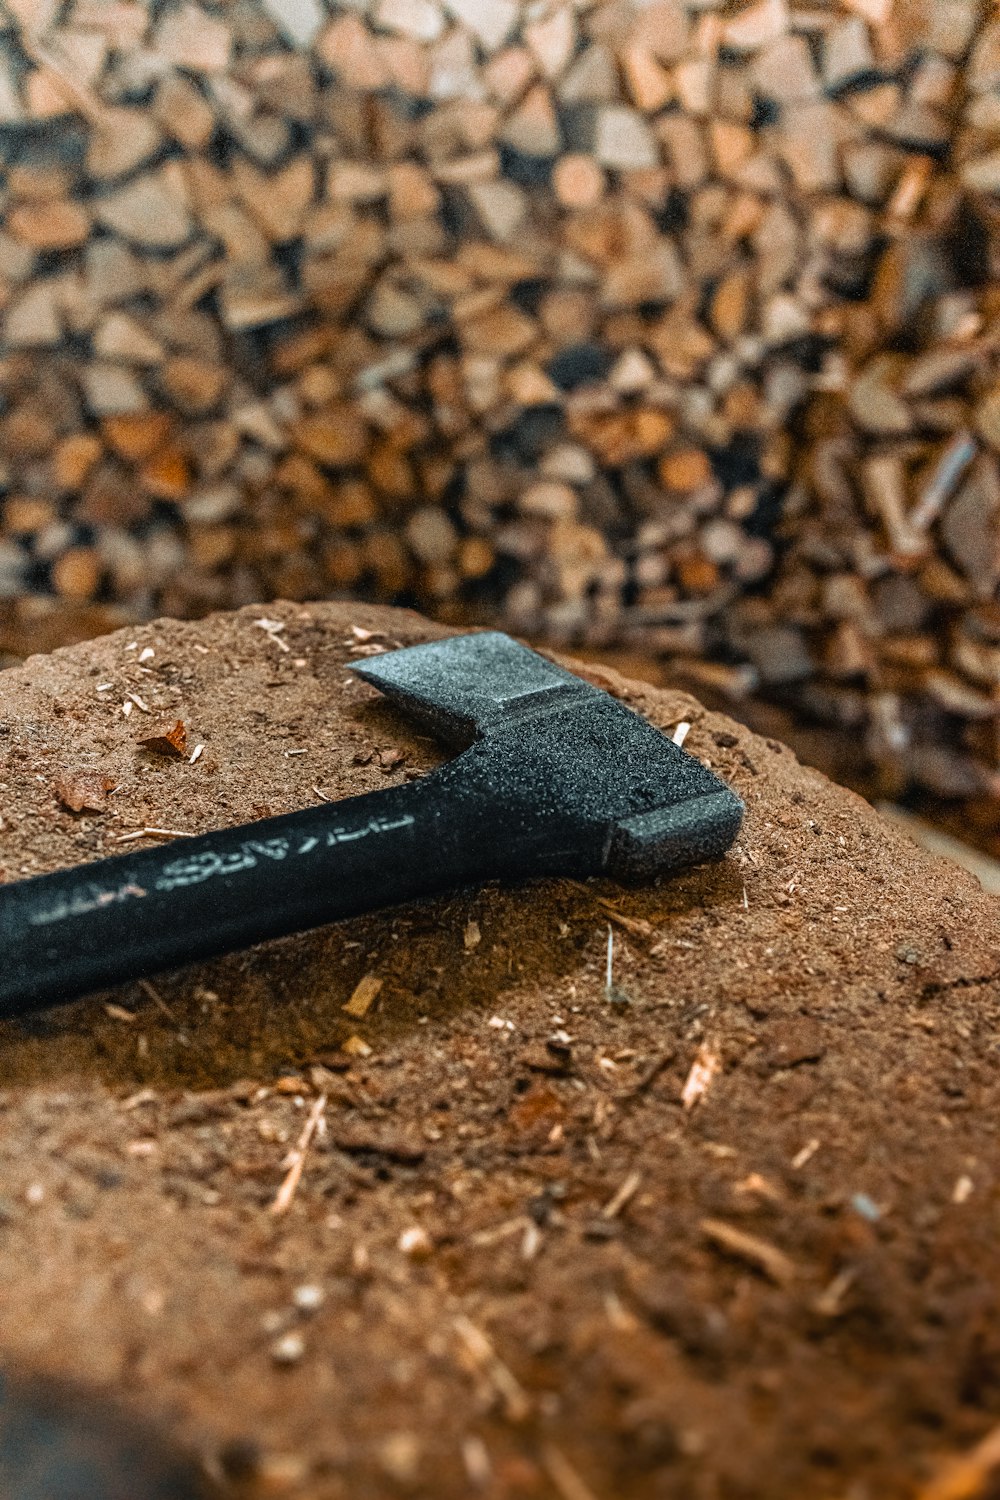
{"points": [[599, 788]]}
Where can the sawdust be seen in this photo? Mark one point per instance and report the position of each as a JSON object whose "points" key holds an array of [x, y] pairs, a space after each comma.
{"points": [[507, 1257]]}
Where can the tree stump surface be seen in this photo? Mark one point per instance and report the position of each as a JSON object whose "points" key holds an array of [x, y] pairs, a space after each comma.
{"points": [[727, 1225]]}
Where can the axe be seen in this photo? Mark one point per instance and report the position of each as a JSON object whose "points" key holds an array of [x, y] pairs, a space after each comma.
{"points": [[554, 777]]}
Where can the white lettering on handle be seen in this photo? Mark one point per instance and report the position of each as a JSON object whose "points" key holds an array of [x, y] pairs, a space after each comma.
{"points": [[194, 869], [84, 900]]}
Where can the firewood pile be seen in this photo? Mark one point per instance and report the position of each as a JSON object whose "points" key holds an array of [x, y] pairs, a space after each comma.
{"points": [[661, 324]]}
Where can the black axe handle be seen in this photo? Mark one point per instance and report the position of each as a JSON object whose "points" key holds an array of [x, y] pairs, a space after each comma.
{"points": [[120, 919], [556, 778]]}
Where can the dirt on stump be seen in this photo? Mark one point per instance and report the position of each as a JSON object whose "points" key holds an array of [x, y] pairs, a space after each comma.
{"points": [[726, 1229]]}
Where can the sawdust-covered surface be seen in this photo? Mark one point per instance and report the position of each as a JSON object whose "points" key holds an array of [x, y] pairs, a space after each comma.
{"points": [[727, 1230]]}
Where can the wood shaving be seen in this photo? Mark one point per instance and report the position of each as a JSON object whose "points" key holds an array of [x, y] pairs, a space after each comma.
{"points": [[152, 833], [703, 1072], [365, 994], [748, 1247], [295, 1162]]}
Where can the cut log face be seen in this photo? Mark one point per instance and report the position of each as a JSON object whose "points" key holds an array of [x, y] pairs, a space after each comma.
{"points": [[662, 324]]}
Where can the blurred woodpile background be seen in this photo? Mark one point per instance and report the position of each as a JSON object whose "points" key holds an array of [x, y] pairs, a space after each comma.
{"points": [[663, 327]]}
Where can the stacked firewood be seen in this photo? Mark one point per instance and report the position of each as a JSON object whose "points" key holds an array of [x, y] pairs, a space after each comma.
{"points": [[666, 323]]}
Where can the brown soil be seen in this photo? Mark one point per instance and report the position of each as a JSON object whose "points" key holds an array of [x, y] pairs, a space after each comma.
{"points": [[537, 1273]]}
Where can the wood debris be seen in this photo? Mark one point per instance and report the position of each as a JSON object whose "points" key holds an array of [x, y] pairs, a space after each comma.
{"points": [[169, 740], [750, 1248], [152, 833], [667, 327], [364, 996], [296, 1159], [830, 1302], [968, 1477], [636, 926], [566, 1481], [84, 791], [623, 1197], [704, 1071], [806, 1154], [288, 1348], [387, 1143], [480, 1354]]}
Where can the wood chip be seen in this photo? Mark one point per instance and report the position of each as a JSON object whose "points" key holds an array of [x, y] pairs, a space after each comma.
{"points": [[152, 833], [704, 1071], [168, 740], [565, 1479], [363, 998], [623, 1196], [756, 1252], [84, 791], [480, 1352]]}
